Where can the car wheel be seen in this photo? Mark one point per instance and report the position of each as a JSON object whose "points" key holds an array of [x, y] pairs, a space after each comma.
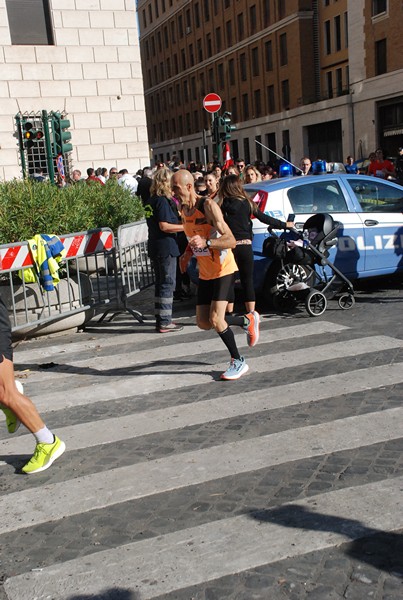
{"points": [[280, 276]]}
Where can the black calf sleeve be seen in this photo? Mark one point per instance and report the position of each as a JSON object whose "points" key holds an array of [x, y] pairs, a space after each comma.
{"points": [[228, 338]]}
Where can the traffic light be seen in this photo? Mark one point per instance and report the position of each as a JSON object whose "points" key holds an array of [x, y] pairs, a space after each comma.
{"points": [[225, 127], [30, 134], [61, 137]]}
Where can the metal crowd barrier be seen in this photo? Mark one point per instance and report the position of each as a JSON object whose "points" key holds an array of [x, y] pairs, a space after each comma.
{"points": [[133, 264], [89, 282]]}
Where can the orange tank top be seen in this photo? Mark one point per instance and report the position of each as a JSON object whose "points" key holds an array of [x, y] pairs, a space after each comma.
{"points": [[212, 263]]}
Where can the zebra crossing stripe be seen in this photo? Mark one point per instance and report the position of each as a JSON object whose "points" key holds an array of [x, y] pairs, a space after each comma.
{"points": [[190, 557], [153, 377], [182, 349], [99, 490], [86, 435]]}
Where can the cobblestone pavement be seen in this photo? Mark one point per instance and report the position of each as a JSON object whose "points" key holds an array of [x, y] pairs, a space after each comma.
{"points": [[286, 484]]}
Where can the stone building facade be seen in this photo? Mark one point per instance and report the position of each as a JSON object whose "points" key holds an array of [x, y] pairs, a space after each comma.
{"points": [[81, 57]]}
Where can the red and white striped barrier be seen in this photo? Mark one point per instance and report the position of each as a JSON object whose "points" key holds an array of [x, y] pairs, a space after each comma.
{"points": [[17, 256]]}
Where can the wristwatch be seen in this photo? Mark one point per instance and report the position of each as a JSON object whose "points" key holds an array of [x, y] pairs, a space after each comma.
{"points": [[208, 243]]}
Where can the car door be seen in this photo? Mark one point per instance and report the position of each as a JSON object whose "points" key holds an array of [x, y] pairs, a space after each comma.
{"points": [[380, 206], [329, 195]]}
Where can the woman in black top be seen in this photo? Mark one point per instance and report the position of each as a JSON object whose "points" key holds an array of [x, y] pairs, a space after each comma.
{"points": [[238, 209]]}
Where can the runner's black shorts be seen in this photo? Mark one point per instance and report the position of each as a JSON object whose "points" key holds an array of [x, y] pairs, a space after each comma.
{"points": [[215, 289], [6, 349]]}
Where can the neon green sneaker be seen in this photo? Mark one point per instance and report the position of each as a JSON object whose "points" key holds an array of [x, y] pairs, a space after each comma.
{"points": [[12, 420], [44, 456]]}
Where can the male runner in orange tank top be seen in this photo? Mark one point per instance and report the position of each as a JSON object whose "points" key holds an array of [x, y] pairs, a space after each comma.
{"points": [[211, 240]]}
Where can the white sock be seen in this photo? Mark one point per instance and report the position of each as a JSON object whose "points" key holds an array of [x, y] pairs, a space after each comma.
{"points": [[44, 436]]}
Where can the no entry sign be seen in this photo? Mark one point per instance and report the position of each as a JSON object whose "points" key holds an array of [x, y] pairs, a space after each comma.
{"points": [[212, 103]]}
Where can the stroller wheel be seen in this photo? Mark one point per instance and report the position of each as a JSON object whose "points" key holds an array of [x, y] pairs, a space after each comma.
{"points": [[346, 301], [315, 303]]}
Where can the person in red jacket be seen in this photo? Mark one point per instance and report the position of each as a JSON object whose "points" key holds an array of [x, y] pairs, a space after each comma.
{"points": [[381, 167]]}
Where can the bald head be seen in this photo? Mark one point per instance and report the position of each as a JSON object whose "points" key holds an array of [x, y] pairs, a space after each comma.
{"points": [[182, 183]]}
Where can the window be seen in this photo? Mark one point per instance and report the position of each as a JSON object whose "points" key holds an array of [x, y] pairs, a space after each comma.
{"points": [[228, 28], [246, 150], [166, 41], [258, 103], [176, 66], [255, 62], [215, 5], [180, 26], [191, 55], [328, 42], [199, 51], [231, 71], [30, 23], [378, 7], [317, 197], [377, 197], [156, 9], [346, 29], [234, 109], [245, 106], [206, 10], [269, 55], [266, 12], [209, 46], [183, 59], [339, 82], [150, 13], [329, 84], [283, 49], [240, 26], [337, 33], [193, 85], [159, 41], [380, 57], [173, 33], [197, 15], [218, 39], [168, 66], [144, 19], [281, 8], [285, 94], [188, 21], [271, 104], [220, 74], [242, 66], [185, 90], [252, 19]]}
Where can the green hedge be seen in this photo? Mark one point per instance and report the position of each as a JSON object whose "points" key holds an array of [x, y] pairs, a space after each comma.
{"points": [[28, 208]]}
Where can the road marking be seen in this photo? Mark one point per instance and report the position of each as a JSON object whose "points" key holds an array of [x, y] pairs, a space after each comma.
{"points": [[145, 380], [148, 356], [87, 435], [99, 490], [164, 564]]}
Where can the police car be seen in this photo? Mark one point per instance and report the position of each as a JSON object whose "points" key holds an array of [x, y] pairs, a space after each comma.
{"points": [[370, 212]]}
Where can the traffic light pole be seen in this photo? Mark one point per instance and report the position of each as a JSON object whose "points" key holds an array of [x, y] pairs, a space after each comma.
{"points": [[48, 144]]}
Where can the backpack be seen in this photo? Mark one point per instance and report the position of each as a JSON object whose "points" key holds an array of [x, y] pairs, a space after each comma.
{"points": [[275, 247]]}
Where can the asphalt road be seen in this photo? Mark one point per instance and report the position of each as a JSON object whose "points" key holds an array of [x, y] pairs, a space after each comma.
{"points": [[286, 484]]}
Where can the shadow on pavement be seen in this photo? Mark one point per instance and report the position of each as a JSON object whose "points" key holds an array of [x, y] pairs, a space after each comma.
{"points": [[381, 549]]}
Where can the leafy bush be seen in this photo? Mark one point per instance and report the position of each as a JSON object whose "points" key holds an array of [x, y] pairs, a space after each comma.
{"points": [[28, 208]]}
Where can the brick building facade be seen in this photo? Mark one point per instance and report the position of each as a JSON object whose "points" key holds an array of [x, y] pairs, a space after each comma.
{"points": [[300, 76]]}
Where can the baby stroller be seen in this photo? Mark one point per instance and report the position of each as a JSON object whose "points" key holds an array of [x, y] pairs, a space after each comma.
{"points": [[311, 250]]}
